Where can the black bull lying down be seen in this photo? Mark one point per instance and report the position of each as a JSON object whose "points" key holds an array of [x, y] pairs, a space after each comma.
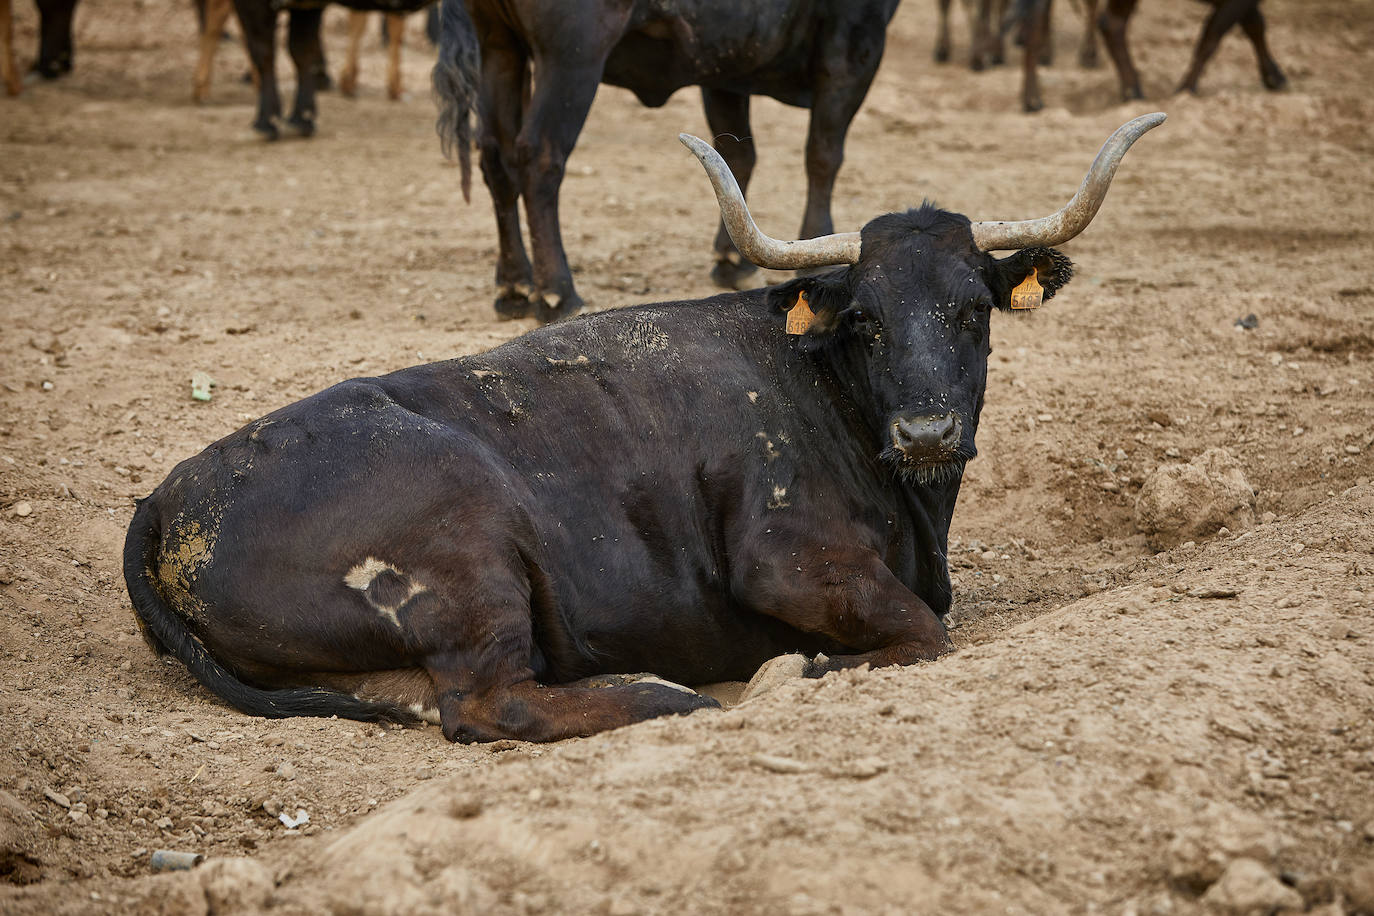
{"points": [[681, 488]]}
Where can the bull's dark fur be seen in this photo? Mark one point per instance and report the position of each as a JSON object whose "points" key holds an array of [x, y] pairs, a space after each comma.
{"points": [[679, 488]]}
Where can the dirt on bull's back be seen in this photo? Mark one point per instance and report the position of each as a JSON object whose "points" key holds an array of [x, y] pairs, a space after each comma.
{"points": [[1120, 729]]}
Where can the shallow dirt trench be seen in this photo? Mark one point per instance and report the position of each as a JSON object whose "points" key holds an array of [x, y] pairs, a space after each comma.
{"points": [[1108, 737]]}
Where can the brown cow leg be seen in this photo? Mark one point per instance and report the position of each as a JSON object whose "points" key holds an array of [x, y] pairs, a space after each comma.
{"points": [[211, 30], [396, 30], [850, 596], [727, 114], [348, 80], [1112, 23], [8, 68], [1270, 74]]}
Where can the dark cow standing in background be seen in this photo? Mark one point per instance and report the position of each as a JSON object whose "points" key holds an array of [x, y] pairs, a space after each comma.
{"points": [[542, 60], [258, 19], [1225, 15], [1116, 14], [682, 488], [54, 42]]}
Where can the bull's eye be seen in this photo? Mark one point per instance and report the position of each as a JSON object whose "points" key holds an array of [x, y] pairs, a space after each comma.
{"points": [[975, 315]]}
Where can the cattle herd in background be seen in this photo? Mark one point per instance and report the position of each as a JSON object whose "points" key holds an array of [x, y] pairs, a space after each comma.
{"points": [[821, 55]]}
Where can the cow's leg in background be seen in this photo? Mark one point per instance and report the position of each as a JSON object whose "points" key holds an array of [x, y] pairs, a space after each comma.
{"points": [[1087, 45], [9, 70], [563, 93], [348, 79], [942, 41], [303, 41], [214, 14], [501, 100], [1034, 34], [258, 19], [1270, 74], [396, 30], [727, 114], [54, 38], [1226, 15], [839, 86], [1112, 23]]}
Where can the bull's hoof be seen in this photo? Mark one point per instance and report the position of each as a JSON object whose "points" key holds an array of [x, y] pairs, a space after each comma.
{"points": [[1032, 104], [941, 55], [1273, 78], [551, 309], [301, 126], [267, 130], [1088, 59], [512, 307], [729, 274]]}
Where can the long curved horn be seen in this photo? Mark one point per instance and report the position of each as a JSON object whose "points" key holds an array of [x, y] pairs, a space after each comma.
{"points": [[1078, 212], [841, 248]]}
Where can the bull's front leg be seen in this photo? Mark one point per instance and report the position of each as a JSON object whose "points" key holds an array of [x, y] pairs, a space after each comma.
{"points": [[849, 595]]}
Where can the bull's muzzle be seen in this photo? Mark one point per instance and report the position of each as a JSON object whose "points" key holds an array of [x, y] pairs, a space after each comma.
{"points": [[927, 439]]}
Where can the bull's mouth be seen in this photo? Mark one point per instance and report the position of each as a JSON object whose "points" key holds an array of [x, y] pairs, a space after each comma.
{"points": [[925, 470]]}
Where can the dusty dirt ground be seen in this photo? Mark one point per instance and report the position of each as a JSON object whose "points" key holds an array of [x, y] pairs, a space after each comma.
{"points": [[1108, 738]]}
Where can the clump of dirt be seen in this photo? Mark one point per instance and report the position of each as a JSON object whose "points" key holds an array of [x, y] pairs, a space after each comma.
{"points": [[1181, 502], [1121, 725]]}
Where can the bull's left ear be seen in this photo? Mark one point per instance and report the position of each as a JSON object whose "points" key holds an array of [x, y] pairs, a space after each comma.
{"points": [[1051, 268]]}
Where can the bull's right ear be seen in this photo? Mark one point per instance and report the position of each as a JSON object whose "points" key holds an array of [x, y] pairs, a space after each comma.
{"points": [[812, 305], [1051, 269]]}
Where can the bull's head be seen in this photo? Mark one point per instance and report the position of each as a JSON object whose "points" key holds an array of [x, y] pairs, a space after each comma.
{"points": [[908, 318]]}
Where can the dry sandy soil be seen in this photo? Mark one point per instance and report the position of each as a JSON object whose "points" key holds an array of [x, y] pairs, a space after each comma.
{"points": [[1107, 738]]}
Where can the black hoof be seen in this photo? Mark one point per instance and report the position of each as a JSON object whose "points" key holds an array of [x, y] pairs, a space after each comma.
{"points": [[512, 306], [568, 307], [729, 275], [941, 55], [267, 130], [301, 127], [1274, 80], [1031, 106]]}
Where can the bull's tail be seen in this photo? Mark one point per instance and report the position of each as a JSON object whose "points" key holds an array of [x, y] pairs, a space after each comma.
{"points": [[168, 634], [457, 76]]}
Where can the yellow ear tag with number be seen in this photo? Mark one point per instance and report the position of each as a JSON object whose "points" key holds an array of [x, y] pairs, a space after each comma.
{"points": [[800, 316], [1029, 294]]}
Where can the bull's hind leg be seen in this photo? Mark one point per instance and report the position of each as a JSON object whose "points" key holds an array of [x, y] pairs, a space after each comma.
{"points": [[849, 595], [470, 628]]}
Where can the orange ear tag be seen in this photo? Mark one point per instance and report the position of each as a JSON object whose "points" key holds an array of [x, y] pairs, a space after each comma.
{"points": [[1029, 294], [800, 316]]}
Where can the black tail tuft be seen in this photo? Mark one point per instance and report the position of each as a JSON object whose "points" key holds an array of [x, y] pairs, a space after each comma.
{"points": [[457, 75], [167, 633]]}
